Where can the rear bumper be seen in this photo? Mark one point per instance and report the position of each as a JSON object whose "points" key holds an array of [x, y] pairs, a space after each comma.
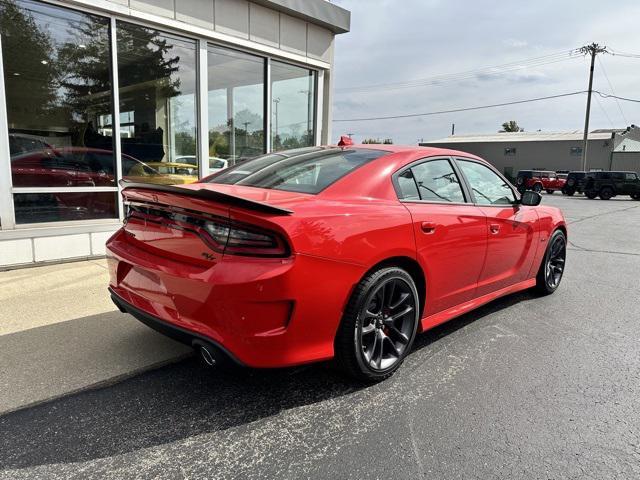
{"points": [[181, 335], [263, 313]]}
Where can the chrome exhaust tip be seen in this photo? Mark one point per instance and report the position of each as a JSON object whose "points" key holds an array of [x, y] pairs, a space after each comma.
{"points": [[207, 356]]}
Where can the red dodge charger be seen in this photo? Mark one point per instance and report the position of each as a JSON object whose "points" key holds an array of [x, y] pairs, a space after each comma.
{"points": [[329, 252]]}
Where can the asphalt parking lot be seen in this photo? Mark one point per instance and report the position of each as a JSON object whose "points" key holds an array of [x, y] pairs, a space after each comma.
{"points": [[525, 387]]}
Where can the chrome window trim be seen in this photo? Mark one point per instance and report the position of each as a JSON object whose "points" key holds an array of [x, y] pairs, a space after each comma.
{"points": [[7, 212]]}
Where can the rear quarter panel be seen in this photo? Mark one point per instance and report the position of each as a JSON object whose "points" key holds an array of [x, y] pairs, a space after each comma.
{"points": [[361, 232]]}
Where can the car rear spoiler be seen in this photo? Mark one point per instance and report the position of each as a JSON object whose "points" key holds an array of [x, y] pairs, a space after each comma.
{"points": [[206, 194]]}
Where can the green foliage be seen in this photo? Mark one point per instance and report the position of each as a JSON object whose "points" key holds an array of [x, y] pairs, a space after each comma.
{"points": [[185, 143], [28, 54], [386, 141], [511, 126]]}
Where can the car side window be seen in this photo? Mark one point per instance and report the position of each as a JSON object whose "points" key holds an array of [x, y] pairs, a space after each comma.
{"points": [[631, 176], [437, 182], [617, 176], [488, 187], [408, 186]]}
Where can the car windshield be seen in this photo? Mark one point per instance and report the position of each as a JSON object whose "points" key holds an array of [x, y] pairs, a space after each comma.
{"points": [[301, 170]]}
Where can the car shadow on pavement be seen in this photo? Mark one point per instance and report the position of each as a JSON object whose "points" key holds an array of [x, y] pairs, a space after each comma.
{"points": [[177, 402]]}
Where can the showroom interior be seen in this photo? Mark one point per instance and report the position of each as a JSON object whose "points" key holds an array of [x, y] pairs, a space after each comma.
{"points": [[156, 91]]}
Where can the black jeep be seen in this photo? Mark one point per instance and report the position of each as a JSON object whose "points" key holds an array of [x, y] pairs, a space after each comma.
{"points": [[574, 183], [609, 184]]}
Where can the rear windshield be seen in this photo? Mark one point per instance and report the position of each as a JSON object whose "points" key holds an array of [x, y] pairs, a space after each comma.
{"points": [[301, 170]]}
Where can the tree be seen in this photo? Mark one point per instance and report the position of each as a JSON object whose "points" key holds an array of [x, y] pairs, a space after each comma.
{"points": [[371, 141], [29, 66], [511, 126]]}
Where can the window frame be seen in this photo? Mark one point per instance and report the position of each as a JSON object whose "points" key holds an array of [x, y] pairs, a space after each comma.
{"points": [[420, 161], [203, 39], [269, 99], [8, 190], [513, 189]]}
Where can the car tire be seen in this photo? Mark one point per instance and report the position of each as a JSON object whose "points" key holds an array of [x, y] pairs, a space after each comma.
{"points": [[635, 196], [370, 344], [537, 188], [606, 193], [552, 267], [590, 194], [550, 192], [570, 193]]}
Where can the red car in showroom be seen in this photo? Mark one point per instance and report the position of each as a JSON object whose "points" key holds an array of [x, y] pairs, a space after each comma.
{"points": [[325, 253]]}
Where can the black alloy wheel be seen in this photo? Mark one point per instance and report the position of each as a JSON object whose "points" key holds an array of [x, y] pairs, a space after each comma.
{"points": [[379, 325], [635, 196], [387, 324], [590, 194], [552, 267], [537, 188], [606, 193]]}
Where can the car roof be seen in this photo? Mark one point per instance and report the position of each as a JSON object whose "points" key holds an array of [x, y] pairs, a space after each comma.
{"points": [[425, 151]]}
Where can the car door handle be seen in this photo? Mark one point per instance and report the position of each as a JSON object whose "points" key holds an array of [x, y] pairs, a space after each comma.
{"points": [[494, 228], [428, 227]]}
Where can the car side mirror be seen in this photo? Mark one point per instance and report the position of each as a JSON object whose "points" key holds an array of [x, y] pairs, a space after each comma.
{"points": [[530, 198]]}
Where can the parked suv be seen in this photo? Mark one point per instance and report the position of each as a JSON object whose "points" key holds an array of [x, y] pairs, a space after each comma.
{"points": [[538, 180], [609, 184], [574, 183]]}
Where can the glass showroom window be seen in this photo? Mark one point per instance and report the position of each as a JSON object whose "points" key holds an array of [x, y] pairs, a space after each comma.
{"points": [[58, 86], [157, 90], [293, 106], [236, 106]]}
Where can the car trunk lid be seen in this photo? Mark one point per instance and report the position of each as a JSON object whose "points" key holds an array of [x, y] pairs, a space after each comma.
{"points": [[194, 223]]}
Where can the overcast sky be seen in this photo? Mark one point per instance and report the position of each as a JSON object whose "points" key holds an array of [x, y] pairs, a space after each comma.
{"points": [[402, 40]]}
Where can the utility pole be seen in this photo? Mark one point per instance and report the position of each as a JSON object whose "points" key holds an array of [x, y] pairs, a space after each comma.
{"points": [[592, 50], [246, 133], [453, 129], [276, 101]]}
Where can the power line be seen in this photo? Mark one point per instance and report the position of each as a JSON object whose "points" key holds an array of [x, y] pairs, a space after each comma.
{"points": [[480, 107], [465, 109], [619, 53], [626, 122], [626, 99], [605, 112], [467, 74]]}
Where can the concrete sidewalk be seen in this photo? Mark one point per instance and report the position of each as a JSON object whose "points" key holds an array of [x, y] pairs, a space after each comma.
{"points": [[60, 333]]}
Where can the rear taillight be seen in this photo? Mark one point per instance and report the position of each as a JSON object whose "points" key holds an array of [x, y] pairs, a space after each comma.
{"points": [[236, 239], [222, 235]]}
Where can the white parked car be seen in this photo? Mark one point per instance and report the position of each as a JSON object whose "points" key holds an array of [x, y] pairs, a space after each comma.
{"points": [[215, 163]]}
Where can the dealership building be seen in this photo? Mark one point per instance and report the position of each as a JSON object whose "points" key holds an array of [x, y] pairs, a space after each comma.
{"points": [[556, 151], [158, 91]]}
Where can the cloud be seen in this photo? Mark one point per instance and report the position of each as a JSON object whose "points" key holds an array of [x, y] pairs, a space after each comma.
{"points": [[407, 40], [513, 43]]}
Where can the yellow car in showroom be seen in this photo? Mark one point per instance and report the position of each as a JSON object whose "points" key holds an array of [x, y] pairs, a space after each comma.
{"points": [[139, 172], [183, 171]]}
